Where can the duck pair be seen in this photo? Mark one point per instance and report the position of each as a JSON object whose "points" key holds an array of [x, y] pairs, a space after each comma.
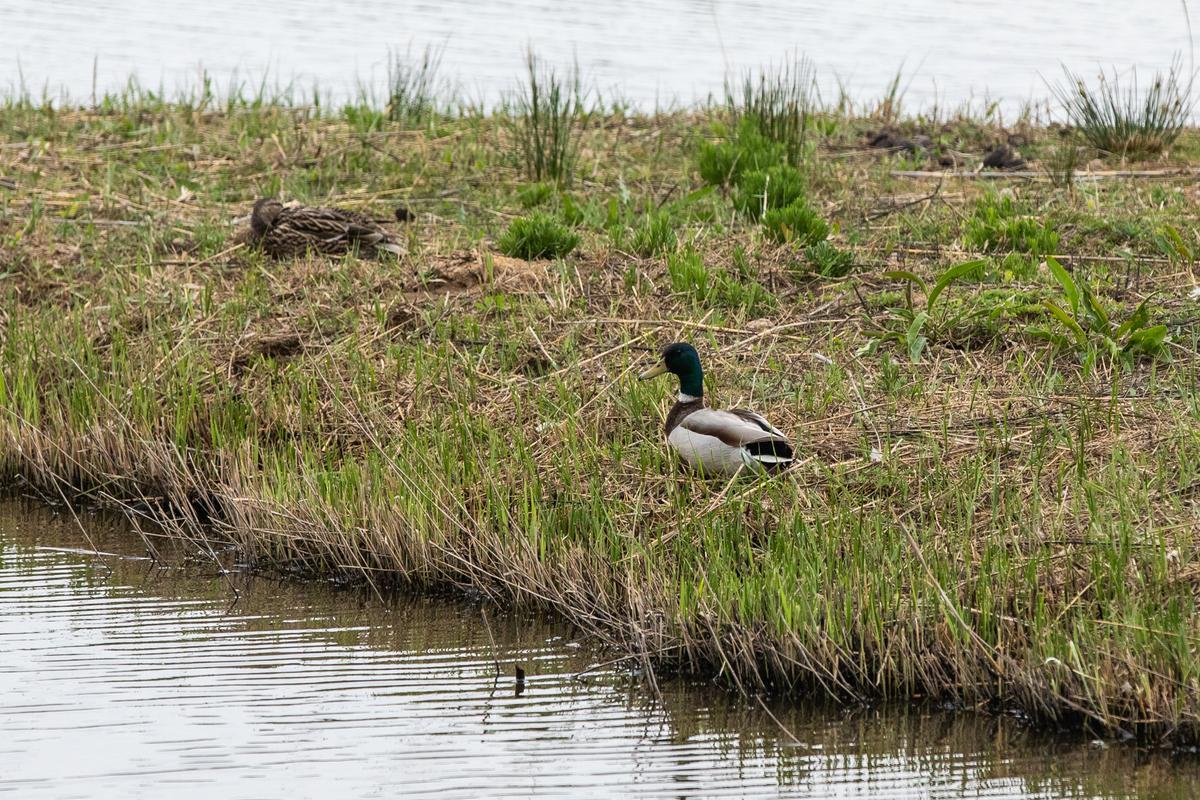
{"points": [[713, 441]]}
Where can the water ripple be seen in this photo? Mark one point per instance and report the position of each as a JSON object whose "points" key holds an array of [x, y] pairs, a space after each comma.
{"points": [[120, 683], [651, 53]]}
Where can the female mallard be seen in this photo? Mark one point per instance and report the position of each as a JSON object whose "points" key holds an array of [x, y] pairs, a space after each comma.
{"points": [[713, 441], [287, 231]]}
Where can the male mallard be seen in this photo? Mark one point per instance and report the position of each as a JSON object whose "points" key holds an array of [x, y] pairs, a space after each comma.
{"points": [[713, 441], [287, 231]]}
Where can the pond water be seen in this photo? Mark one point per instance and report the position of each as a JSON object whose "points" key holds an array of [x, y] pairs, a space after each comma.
{"points": [[651, 51], [124, 677]]}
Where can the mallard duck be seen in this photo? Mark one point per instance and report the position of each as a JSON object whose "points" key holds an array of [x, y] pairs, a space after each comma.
{"points": [[287, 231], [716, 442]]}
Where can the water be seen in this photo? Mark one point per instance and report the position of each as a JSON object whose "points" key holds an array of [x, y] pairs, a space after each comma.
{"points": [[651, 51], [121, 678]]}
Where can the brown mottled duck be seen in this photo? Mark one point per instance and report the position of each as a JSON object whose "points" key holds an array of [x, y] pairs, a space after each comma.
{"points": [[287, 231]]}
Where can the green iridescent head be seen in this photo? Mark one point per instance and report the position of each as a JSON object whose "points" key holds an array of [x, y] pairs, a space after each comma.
{"points": [[680, 359]]}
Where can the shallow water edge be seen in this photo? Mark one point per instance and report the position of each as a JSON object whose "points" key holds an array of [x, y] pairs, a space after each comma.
{"points": [[151, 674]]}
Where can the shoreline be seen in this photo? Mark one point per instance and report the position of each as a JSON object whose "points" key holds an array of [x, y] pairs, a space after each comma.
{"points": [[996, 517]]}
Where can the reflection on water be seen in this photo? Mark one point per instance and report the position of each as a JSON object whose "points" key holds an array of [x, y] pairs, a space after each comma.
{"points": [[122, 678], [651, 50]]}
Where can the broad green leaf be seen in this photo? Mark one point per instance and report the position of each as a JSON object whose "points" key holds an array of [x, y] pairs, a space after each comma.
{"points": [[699, 194], [1096, 312], [1148, 340], [1066, 319], [949, 276], [905, 275], [1057, 339], [869, 348], [915, 348], [1177, 244], [1137, 320], [1066, 282], [914, 339]]}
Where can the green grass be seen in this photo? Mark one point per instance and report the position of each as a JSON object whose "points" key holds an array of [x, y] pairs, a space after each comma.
{"points": [[760, 191], [797, 222], [654, 236], [716, 288], [539, 235], [723, 163], [828, 260], [978, 516], [997, 225], [535, 194]]}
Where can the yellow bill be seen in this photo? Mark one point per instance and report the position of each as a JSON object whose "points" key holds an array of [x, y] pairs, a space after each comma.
{"points": [[653, 372]]}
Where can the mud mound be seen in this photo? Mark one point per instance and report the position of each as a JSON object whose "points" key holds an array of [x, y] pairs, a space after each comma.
{"points": [[465, 270]]}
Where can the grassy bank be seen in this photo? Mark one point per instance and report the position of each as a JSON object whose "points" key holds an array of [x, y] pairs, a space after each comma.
{"points": [[995, 500]]}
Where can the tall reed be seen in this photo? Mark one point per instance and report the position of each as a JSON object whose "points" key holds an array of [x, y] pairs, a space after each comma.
{"points": [[780, 102], [1118, 117], [412, 86], [544, 119]]}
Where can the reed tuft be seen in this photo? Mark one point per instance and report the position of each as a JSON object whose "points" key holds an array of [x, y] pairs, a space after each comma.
{"points": [[545, 120], [1119, 117]]}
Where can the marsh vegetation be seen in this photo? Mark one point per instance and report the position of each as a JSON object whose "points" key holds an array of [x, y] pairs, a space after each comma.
{"points": [[991, 383]]}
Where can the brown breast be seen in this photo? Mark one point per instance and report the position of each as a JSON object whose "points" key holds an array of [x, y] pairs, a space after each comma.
{"points": [[680, 410]]}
